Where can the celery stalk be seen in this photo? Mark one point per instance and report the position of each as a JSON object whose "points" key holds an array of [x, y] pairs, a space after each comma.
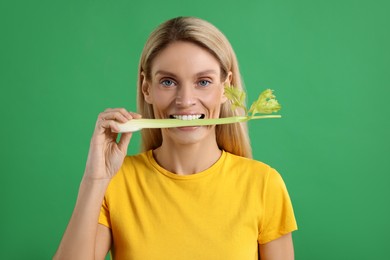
{"points": [[265, 104], [138, 124]]}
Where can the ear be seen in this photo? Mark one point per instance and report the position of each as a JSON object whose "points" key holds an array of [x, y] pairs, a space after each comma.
{"points": [[226, 83], [145, 87]]}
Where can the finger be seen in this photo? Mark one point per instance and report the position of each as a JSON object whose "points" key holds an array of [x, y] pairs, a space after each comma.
{"points": [[135, 115], [123, 111], [124, 142], [128, 114], [114, 115], [118, 114], [103, 125]]}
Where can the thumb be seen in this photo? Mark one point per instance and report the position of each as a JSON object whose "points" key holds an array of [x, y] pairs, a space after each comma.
{"points": [[124, 141]]}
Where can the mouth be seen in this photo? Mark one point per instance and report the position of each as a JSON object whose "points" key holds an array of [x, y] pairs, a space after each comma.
{"points": [[187, 117]]}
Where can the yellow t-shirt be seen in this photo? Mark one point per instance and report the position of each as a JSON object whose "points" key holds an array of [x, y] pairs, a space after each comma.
{"points": [[220, 213]]}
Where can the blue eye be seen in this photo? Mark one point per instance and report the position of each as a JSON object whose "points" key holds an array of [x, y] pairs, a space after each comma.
{"points": [[204, 83], [167, 83]]}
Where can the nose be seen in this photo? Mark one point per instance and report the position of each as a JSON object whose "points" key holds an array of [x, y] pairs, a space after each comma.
{"points": [[185, 96]]}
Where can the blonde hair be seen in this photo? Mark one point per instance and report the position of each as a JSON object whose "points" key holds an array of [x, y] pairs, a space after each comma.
{"points": [[232, 138]]}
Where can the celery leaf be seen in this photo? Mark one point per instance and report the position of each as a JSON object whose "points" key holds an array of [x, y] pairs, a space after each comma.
{"points": [[236, 97], [265, 104]]}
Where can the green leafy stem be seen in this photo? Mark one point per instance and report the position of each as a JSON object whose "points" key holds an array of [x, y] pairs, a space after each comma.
{"points": [[265, 104]]}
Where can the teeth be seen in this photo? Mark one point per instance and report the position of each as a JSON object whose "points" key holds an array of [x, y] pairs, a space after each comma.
{"points": [[186, 117]]}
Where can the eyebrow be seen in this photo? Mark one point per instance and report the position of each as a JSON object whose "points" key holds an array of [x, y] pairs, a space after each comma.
{"points": [[202, 73]]}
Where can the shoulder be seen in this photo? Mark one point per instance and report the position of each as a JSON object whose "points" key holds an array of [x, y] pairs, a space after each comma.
{"points": [[135, 168], [140, 158], [252, 169], [244, 163], [256, 172], [137, 162], [131, 166]]}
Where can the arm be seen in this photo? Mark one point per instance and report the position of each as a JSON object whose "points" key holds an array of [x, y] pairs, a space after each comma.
{"points": [[84, 238], [279, 249]]}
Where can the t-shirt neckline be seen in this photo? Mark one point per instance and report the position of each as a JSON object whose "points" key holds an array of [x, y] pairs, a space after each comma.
{"points": [[194, 176]]}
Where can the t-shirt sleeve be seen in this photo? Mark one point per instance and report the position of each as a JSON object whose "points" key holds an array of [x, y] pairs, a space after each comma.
{"points": [[278, 216], [104, 217]]}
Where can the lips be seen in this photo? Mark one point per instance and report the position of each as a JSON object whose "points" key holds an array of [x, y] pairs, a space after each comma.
{"points": [[188, 117]]}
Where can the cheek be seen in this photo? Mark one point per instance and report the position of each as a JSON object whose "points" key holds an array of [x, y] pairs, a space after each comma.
{"points": [[158, 97], [161, 102], [213, 103], [215, 99]]}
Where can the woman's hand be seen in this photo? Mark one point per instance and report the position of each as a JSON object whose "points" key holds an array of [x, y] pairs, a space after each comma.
{"points": [[106, 154], [105, 157]]}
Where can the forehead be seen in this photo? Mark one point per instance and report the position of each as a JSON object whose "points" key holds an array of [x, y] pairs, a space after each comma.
{"points": [[184, 58]]}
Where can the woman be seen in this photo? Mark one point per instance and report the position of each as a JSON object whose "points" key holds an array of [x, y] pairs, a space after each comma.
{"points": [[194, 192]]}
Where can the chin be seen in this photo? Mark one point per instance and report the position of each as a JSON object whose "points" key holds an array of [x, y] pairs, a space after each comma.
{"points": [[190, 135]]}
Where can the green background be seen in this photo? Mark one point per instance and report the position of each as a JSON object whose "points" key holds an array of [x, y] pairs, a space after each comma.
{"points": [[63, 62]]}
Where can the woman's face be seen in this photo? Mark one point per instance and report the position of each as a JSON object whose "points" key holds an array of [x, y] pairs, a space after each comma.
{"points": [[185, 83]]}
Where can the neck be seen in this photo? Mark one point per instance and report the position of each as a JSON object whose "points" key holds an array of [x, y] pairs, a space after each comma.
{"points": [[187, 159]]}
